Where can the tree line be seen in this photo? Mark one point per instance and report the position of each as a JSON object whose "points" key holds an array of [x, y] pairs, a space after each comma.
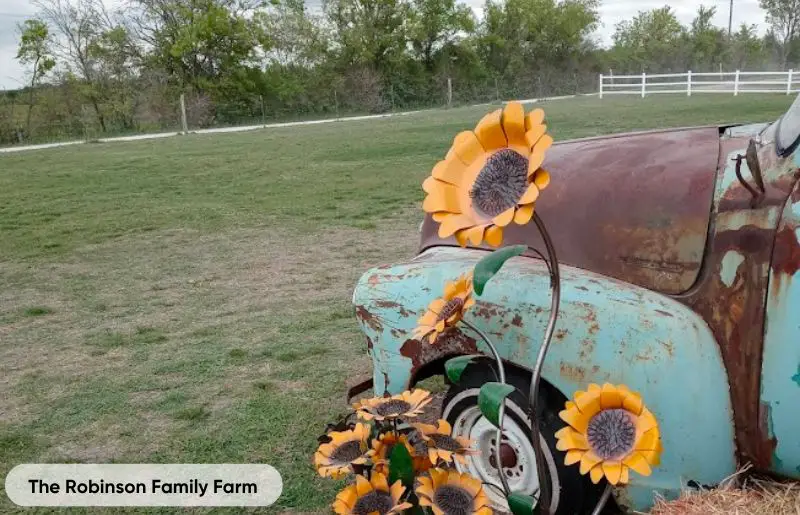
{"points": [[93, 70]]}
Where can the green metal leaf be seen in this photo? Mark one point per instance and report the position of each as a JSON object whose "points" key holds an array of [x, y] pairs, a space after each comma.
{"points": [[491, 398], [401, 466], [521, 504], [491, 264], [455, 367]]}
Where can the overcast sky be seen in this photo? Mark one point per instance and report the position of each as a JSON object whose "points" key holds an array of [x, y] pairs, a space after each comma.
{"points": [[13, 12]]}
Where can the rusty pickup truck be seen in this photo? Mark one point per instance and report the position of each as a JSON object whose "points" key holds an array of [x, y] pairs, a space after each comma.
{"points": [[680, 267]]}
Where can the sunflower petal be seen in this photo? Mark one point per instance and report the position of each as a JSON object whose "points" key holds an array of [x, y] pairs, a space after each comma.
{"points": [[444, 427], [573, 456], [445, 198], [589, 402], [467, 147], [363, 485], [596, 473], [572, 440], [424, 501], [652, 457], [575, 418], [475, 234], [379, 482], [638, 463], [490, 131], [541, 178], [645, 422], [535, 162], [505, 217], [624, 478], [514, 123], [610, 397], [450, 170], [534, 135], [494, 235], [461, 237], [633, 403], [441, 216], [588, 461], [612, 471], [649, 441], [530, 195], [534, 118], [544, 143], [523, 214], [436, 305]]}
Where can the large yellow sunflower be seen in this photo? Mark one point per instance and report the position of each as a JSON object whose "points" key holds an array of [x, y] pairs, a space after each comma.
{"points": [[610, 431], [408, 404], [371, 496], [382, 450], [452, 493], [490, 177], [446, 311], [346, 448], [441, 445]]}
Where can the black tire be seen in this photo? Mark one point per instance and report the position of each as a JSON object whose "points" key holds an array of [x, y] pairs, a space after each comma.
{"points": [[572, 493]]}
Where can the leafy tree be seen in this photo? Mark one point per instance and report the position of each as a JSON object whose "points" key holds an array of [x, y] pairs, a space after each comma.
{"points": [[747, 49], [784, 17], [435, 24], [707, 42], [34, 50], [651, 40], [369, 33], [77, 23]]}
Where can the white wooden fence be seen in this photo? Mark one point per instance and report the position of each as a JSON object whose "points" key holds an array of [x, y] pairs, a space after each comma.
{"points": [[688, 83]]}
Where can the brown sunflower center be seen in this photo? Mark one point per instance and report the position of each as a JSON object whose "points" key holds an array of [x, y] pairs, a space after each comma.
{"points": [[611, 433], [452, 307], [453, 500], [347, 452], [445, 442], [392, 408], [500, 183], [376, 500]]}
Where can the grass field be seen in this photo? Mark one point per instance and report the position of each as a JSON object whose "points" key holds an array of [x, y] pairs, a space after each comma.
{"points": [[188, 299]]}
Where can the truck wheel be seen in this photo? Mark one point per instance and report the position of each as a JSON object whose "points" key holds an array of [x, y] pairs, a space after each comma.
{"points": [[571, 493]]}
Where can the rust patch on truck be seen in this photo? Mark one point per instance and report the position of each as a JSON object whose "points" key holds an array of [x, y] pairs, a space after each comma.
{"points": [[369, 319], [786, 259], [452, 342]]}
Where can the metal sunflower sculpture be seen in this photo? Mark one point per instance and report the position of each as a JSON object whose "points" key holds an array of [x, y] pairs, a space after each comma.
{"points": [[490, 178], [446, 311], [610, 432]]}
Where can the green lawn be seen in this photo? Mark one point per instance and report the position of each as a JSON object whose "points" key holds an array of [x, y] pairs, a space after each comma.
{"points": [[188, 299]]}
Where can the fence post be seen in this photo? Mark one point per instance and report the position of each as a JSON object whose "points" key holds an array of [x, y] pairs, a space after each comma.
{"points": [[263, 112], [644, 81], [184, 123], [789, 83], [736, 84], [449, 92], [496, 90], [689, 83], [600, 93], [336, 103]]}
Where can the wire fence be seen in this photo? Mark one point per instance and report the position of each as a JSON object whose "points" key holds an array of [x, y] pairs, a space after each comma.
{"points": [[732, 83], [59, 114]]}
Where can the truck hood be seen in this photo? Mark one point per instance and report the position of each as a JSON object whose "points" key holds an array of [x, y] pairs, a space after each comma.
{"points": [[633, 206]]}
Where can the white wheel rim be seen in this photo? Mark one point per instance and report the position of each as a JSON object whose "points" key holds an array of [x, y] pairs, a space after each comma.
{"points": [[522, 476]]}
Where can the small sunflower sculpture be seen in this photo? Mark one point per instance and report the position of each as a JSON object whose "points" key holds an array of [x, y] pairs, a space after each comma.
{"points": [[370, 496], [448, 492], [610, 432], [442, 446], [408, 404], [446, 311], [346, 448], [382, 450], [491, 177]]}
